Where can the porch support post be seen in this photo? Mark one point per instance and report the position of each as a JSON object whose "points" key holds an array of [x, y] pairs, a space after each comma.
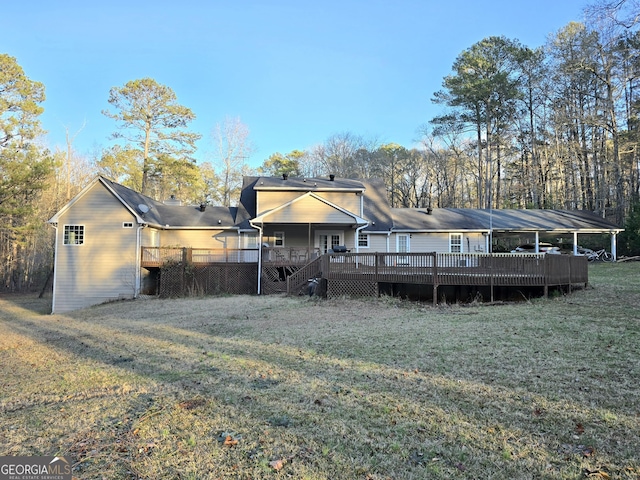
{"points": [[575, 243], [537, 242], [614, 249]]}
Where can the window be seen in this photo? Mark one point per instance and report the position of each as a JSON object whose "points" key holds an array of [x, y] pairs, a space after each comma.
{"points": [[402, 246], [250, 240], [278, 239], [455, 242], [127, 225], [363, 240], [74, 234]]}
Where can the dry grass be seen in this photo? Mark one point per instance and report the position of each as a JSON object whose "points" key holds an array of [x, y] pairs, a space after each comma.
{"points": [[271, 387]]}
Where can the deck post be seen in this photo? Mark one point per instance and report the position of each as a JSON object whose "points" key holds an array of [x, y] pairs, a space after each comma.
{"points": [[546, 276], [491, 275], [434, 255]]}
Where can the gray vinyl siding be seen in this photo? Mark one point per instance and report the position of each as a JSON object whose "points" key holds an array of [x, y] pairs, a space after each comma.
{"points": [[346, 200], [270, 200], [104, 267], [378, 243], [439, 242], [307, 209]]}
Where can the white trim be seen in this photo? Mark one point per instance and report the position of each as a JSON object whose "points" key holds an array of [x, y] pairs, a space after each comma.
{"points": [[408, 243], [65, 236], [461, 245], [328, 233], [366, 235], [278, 236]]}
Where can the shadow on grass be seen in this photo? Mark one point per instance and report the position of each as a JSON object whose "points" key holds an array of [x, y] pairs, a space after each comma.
{"points": [[327, 415]]}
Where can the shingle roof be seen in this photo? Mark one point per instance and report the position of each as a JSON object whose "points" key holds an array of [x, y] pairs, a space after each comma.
{"points": [[174, 215], [467, 219], [376, 208]]}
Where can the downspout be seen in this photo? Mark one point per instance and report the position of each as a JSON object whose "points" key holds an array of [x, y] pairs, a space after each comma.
{"points": [[575, 243], [614, 249], [388, 236], [259, 254], [239, 244], [55, 270], [537, 242]]}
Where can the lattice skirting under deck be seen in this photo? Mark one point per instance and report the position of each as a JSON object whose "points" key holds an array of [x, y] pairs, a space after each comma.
{"points": [[340, 288]]}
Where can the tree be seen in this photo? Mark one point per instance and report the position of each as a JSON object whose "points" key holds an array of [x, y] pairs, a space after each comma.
{"points": [[279, 164], [629, 240], [24, 168], [342, 155], [122, 164], [483, 90], [231, 149], [151, 119]]}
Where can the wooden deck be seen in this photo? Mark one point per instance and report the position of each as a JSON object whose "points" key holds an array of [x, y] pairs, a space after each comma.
{"points": [[363, 273], [347, 270]]}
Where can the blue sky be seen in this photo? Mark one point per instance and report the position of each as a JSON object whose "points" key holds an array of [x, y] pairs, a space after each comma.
{"points": [[294, 72]]}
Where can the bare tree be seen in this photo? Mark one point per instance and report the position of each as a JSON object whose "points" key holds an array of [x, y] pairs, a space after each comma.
{"points": [[231, 149]]}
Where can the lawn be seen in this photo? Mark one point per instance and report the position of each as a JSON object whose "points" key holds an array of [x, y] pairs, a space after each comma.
{"points": [[296, 387]]}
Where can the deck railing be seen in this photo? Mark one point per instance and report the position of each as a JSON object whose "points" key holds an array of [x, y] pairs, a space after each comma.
{"points": [[157, 256], [499, 269], [289, 255]]}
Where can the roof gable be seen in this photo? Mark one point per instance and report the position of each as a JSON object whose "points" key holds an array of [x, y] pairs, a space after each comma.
{"points": [[324, 212]]}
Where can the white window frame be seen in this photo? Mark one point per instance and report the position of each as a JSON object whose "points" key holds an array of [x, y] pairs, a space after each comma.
{"points": [[250, 240], [278, 239], [407, 245], [78, 235], [328, 234], [363, 240], [454, 237]]}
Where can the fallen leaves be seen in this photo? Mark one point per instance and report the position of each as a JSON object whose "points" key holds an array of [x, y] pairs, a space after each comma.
{"points": [[278, 465], [229, 439]]}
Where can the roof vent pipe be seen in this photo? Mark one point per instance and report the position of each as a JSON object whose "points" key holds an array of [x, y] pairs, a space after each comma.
{"points": [[285, 176], [429, 210], [203, 206], [332, 177]]}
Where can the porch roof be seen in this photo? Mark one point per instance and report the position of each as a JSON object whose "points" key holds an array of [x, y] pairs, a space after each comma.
{"points": [[501, 220]]}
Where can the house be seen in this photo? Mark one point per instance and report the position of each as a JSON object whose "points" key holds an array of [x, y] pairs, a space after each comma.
{"points": [[112, 241]]}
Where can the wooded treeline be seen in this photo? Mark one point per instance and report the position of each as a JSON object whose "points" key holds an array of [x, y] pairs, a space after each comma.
{"points": [[549, 127]]}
